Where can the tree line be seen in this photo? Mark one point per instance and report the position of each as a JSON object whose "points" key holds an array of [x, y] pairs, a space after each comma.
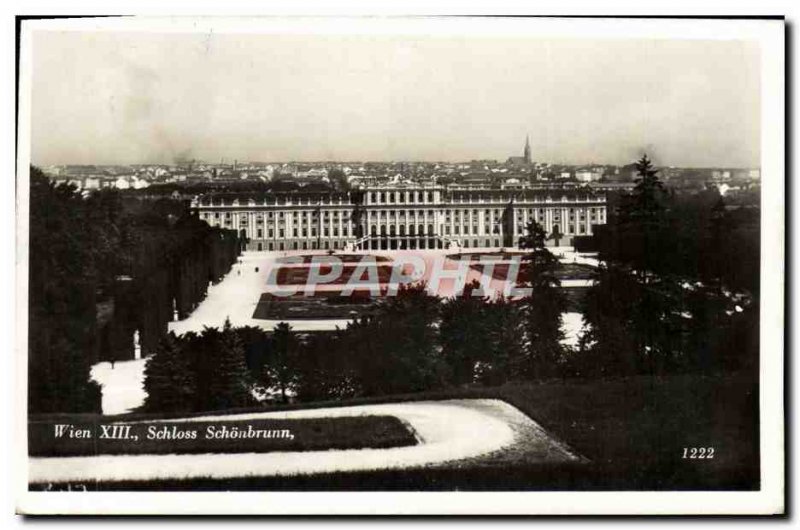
{"points": [[101, 266], [678, 288]]}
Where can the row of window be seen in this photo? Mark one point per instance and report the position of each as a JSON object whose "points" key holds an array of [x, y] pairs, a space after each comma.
{"points": [[401, 231], [388, 197], [304, 233], [400, 197], [337, 215], [295, 245]]}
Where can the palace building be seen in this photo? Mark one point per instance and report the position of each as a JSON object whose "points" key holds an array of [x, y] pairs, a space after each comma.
{"points": [[395, 218]]}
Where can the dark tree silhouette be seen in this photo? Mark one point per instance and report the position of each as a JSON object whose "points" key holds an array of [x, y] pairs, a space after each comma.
{"points": [[544, 307], [64, 278], [168, 378], [281, 369], [230, 385], [463, 334]]}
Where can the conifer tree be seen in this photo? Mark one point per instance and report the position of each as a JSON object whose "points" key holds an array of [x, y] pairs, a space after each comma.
{"points": [[544, 307], [168, 379], [281, 369], [642, 222], [230, 384]]}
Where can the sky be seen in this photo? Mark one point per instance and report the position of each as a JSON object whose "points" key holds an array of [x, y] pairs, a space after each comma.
{"points": [[122, 98]]}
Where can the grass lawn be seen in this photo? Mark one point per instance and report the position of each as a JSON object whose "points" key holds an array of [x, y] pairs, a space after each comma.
{"points": [[276, 435], [632, 431]]}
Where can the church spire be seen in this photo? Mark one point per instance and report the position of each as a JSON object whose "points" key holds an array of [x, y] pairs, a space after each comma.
{"points": [[527, 153]]}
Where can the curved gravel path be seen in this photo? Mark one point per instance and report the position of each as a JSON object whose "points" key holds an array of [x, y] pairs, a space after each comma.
{"points": [[447, 431]]}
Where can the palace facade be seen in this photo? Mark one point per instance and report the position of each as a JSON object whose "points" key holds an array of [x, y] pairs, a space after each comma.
{"points": [[401, 218]]}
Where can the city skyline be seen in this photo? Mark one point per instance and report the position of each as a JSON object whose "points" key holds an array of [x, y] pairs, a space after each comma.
{"points": [[133, 98]]}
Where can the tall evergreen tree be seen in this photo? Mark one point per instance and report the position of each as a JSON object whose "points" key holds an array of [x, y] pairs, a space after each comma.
{"points": [[230, 385], [168, 378], [641, 222], [544, 307], [281, 370]]}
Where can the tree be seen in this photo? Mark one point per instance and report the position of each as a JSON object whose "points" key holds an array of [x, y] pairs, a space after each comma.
{"points": [[168, 378], [641, 222], [396, 350], [281, 369], [463, 334], [325, 368], [230, 384], [506, 357], [543, 308], [338, 180], [647, 200], [63, 285]]}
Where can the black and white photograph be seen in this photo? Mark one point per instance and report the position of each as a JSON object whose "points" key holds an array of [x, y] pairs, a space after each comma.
{"points": [[279, 263]]}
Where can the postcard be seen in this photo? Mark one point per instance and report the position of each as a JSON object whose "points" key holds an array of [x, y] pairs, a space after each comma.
{"points": [[423, 265]]}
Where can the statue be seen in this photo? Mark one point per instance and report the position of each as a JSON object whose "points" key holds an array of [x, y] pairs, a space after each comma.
{"points": [[137, 347]]}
